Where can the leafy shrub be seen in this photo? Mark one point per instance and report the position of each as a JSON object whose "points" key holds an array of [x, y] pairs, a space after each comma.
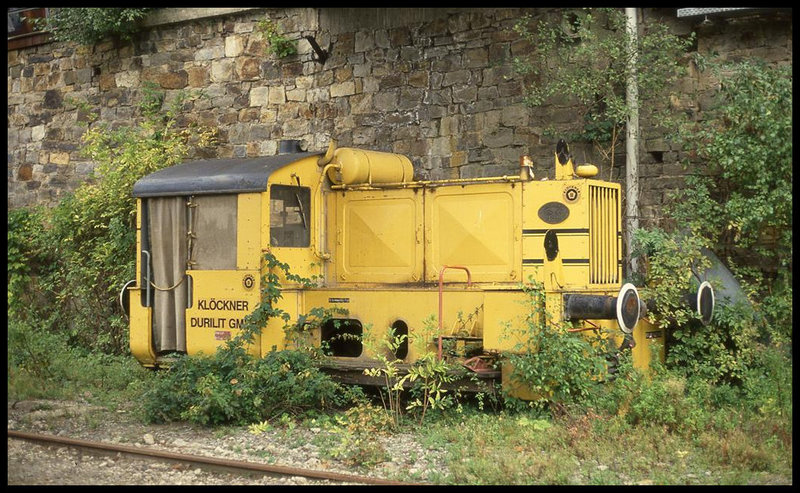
{"points": [[737, 203], [72, 260], [740, 199], [29, 263], [234, 387], [278, 44], [557, 366], [580, 57], [41, 364], [229, 388], [91, 25]]}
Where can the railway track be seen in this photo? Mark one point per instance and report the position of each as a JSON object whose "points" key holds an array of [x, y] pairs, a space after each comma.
{"points": [[213, 463]]}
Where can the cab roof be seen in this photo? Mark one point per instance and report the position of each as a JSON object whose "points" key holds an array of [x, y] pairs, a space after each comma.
{"points": [[215, 176]]}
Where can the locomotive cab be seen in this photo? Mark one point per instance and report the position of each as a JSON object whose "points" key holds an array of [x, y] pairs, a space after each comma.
{"points": [[201, 230]]}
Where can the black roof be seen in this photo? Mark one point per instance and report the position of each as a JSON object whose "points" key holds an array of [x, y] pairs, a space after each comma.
{"points": [[214, 176]]}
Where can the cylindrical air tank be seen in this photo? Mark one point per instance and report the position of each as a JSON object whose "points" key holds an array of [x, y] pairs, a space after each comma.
{"points": [[354, 166]]}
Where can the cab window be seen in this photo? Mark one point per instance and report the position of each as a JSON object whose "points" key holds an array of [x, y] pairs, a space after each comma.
{"points": [[289, 216]]}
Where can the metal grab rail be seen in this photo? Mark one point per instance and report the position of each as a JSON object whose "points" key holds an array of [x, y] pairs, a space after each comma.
{"points": [[441, 277]]}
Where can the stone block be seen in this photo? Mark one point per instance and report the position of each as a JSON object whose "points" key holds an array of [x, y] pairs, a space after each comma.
{"points": [[248, 68], [459, 77], [221, 70], [471, 171], [277, 95], [513, 116], [361, 103], [197, 76], [174, 80], [464, 93], [385, 101], [476, 58], [364, 41], [296, 95], [500, 137], [37, 133], [258, 96], [342, 89], [458, 158], [210, 53], [442, 146], [25, 172], [449, 125], [234, 46], [59, 157]]}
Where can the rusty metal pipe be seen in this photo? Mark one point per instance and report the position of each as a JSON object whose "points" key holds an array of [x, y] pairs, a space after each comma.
{"points": [[441, 280]]}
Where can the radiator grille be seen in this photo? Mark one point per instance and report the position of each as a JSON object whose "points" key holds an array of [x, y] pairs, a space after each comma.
{"points": [[604, 229]]}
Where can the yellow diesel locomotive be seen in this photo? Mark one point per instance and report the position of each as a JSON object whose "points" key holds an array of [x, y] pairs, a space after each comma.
{"points": [[392, 251]]}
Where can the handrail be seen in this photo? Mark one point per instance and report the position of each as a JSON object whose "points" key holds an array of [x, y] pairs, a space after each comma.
{"points": [[147, 288], [441, 280]]}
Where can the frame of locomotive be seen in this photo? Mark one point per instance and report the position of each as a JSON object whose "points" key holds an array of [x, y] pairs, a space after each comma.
{"points": [[390, 250]]}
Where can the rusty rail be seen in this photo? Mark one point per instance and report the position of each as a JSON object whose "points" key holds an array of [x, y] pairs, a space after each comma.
{"points": [[202, 460]]}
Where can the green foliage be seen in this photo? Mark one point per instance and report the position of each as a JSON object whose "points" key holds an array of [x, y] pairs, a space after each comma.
{"points": [[674, 262], [737, 203], [41, 364], [29, 254], [425, 379], [693, 405], [72, 260], [234, 387], [356, 435], [767, 383], [428, 376], [389, 371], [278, 44], [557, 366], [745, 144], [719, 352], [740, 198], [91, 25], [580, 57]]}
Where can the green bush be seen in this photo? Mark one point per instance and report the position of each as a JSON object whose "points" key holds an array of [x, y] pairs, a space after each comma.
{"points": [[237, 388], [30, 263], [737, 203], [740, 198], [559, 367], [91, 25], [234, 387], [42, 365], [278, 44], [580, 57], [72, 260]]}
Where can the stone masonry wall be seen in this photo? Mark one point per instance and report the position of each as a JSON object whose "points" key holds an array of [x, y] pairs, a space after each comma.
{"points": [[434, 84]]}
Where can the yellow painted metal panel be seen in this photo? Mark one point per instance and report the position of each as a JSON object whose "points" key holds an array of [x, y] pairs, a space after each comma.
{"points": [[220, 301], [378, 236], [649, 340], [478, 227], [248, 231], [141, 327], [273, 336], [505, 320], [605, 250], [141, 334], [379, 308]]}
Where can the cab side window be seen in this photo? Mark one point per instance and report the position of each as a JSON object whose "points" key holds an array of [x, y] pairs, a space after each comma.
{"points": [[290, 216]]}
